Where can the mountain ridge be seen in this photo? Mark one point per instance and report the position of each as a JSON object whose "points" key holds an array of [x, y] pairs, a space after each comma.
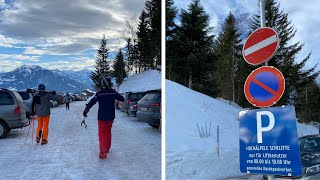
{"points": [[27, 76]]}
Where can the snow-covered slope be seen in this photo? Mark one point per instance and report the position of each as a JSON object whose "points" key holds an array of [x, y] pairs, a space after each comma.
{"points": [[147, 80], [190, 157], [72, 151]]}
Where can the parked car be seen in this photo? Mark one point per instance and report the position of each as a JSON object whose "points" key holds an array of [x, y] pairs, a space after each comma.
{"points": [[54, 103], [131, 97], [119, 103], [149, 108], [61, 97], [12, 112], [133, 108], [133, 105], [27, 100], [310, 158]]}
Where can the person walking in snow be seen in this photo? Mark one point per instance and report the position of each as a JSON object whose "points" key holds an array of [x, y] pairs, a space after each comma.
{"points": [[67, 100], [106, 114], [41, 108]]}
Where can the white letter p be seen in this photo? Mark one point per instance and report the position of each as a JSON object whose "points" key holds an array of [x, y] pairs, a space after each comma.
{"points": [[260, 129]]}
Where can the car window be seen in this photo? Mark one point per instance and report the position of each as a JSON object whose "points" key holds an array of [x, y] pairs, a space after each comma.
{"points": [[6, 98], [24, 95], [310, 144], [152, 96], [136, 96]]}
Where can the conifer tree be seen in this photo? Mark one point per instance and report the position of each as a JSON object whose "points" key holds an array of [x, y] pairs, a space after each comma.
{"points": [[191, 48], [171, 12], [228, 51], [102, 64], [129, 55], [144, 59], [153, 11], [119, 67], [285, 60], [307, 103]]}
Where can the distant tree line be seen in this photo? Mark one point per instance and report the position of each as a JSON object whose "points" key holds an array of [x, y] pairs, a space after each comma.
{"points": [[213, 64], [142, 50]]}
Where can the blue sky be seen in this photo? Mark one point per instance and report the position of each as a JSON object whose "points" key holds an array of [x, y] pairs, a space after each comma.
{"points": [[65, 34], [62, 34], [303, 14]]}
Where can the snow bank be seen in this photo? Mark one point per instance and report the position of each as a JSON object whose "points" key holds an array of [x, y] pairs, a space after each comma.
{"points": [[147, 80], [188, 156]]}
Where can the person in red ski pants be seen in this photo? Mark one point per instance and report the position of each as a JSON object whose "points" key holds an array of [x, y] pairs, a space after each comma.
{"points": [[106, 98]]}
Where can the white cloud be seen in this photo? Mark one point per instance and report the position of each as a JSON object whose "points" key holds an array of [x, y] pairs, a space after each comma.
{"points": [[3, 4], [9, 65], [34, 51], [67, 27], [7, 42], [75, 63], [18, 57]]}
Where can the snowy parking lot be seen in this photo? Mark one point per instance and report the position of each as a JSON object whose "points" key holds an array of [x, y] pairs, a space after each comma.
{"points": [[72, 151]]}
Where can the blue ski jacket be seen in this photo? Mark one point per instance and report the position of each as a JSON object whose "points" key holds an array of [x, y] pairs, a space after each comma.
{"points": [[106, 99]]}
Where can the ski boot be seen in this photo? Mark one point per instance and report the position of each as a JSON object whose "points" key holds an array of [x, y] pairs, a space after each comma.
{"points": [[44, 141], [103, 155], [39, 136]]}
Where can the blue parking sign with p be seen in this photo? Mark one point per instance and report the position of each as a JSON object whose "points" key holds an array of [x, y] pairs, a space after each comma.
{"points": [[269, 141]]}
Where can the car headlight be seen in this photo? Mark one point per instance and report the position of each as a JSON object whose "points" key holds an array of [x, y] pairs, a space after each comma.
{"points": [[313, 169]]}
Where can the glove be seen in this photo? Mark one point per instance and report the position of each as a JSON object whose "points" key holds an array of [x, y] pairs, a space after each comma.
{"points": [[53, 92], [85, 112]]}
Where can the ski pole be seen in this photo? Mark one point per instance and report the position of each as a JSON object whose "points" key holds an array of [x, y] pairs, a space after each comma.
{"points": [[84, 122], [28, 132], [32, 128]]}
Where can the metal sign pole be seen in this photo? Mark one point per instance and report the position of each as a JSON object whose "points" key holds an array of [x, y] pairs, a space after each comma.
{"points": [[263, 17], [218, 140], [263, 24]]}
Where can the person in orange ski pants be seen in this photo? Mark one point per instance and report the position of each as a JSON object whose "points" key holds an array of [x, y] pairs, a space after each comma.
{"points": [[41, 108]]}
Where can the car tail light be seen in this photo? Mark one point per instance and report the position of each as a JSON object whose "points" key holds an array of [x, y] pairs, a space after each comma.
{"points": [[17, 110], [154, 105], [135, 106], [128, 102]]}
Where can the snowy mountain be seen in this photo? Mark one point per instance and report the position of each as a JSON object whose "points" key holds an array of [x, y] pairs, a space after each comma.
{"points": [[30, 76], [188, 156], [83, 76]]}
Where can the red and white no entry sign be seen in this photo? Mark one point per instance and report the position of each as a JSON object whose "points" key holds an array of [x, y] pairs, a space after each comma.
{"points": [[260, 46]]}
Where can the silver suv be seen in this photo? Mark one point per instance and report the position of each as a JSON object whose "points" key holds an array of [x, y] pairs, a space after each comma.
{"points": [[27, 100], [12, 112]]}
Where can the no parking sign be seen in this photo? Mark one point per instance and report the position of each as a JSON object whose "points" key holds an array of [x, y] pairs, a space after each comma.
{"points": [[264, 86]]}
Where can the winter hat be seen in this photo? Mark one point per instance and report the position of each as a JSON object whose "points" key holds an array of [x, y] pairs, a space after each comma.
{"points": [[103, 83], [41, 87]]}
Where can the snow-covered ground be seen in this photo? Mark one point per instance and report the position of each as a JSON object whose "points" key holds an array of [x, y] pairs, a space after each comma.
{"points": [[147, 80], [72, 151], [190, 157]]}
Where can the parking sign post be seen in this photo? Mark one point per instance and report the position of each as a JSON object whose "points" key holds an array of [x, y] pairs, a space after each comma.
{"points": [[268, 137], [269, 142]]}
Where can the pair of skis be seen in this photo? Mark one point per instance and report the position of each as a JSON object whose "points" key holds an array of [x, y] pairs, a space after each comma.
{"points": [[31, 125], [106, 82]]}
